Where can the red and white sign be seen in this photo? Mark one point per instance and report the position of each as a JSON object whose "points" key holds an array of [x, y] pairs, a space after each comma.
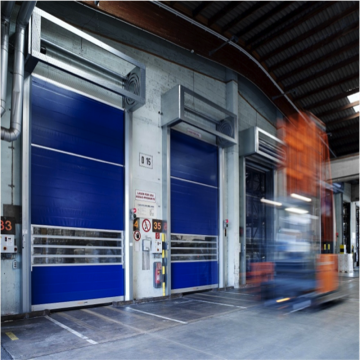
{"points": [[146, 225], [137, 235], [157, 235], [193, 133], [145, 195]]}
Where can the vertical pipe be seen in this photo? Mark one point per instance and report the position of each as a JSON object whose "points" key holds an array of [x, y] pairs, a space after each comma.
{"points": [[128, 244], [166, 203], [26, 200], [231, 187], [221, 253], [22, 21], [242, 190], [6, 9]]}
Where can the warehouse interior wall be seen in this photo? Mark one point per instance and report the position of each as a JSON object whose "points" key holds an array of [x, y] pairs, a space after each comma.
{"points": [[11, 206], [166, 66]]}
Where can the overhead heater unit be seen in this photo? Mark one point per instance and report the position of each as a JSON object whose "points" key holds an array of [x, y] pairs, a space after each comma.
{"points": [[258, 145], [53, 42], [181, 105]]}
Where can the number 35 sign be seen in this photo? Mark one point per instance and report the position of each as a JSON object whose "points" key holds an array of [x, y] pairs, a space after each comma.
{"points": [[159, 226]]}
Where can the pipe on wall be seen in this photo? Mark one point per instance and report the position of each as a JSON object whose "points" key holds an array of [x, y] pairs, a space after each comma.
{"points": [[6, 11], [22, 21]]}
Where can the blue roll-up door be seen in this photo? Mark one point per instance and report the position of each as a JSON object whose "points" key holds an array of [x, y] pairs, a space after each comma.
{"points": [[77, 198], [194, 213]]}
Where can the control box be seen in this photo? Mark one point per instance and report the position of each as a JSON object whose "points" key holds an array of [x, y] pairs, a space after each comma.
{"points": [[8, 244], [157, 246]]}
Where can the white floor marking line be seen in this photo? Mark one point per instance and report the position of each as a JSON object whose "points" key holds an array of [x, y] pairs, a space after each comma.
{"points": [[235, 293], [71, 330], [106, 318], [212, 302], [159, 316], [221, 297]]}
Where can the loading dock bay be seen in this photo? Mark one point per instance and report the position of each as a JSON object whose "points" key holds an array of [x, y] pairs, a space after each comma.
{"points": [[219, 324]]}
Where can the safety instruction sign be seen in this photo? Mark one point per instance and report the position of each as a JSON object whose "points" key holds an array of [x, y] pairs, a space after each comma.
{"points": [[144, 195], [146, 225], [137, 235], [145, 209]]}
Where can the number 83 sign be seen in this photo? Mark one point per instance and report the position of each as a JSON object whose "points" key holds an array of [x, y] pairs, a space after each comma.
{"points": [[7, 225]]}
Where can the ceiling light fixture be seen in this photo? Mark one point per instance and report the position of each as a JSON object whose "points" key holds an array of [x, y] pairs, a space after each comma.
{"points": [[300, 197], [354, 97], [271, 202], [297, 211]]}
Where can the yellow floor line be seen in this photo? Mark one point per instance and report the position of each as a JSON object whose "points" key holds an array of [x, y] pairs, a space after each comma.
{"points": [[11, 335]]}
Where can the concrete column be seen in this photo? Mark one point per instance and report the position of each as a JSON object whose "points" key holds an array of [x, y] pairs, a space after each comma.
{"points": [[353, 226], [232, 245], [338, 204]]}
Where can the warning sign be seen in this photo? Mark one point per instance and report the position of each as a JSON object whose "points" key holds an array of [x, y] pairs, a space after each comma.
{"points": [[146, 225], [137, 235], [145, 195]]}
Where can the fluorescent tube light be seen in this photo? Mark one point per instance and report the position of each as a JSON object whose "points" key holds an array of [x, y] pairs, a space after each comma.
{"points": [[282, 300], [296, 210], [300, 197], [271, 202]]}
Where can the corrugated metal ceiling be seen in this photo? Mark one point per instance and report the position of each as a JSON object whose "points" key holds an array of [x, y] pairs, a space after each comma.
{"points": [[312, 47]]}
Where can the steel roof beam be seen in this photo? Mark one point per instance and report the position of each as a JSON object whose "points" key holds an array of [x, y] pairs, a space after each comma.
{"points": [[201, 7], [258, 5], [311, 32], [348, 128], [265, 17], [332, 99], [307, 66], [323, 72], [343, 120], [292, 24], [316, 46], [339, 109], [354, 76], [220, 14]]}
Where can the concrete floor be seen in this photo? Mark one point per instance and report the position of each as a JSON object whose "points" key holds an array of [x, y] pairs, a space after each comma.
{"points": [[209, 325]]}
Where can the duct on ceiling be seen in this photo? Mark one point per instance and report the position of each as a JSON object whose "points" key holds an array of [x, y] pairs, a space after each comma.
{"points": [[22, 21]]}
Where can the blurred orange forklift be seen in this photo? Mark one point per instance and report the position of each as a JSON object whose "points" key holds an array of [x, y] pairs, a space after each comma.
{"points": [[301, 268]]}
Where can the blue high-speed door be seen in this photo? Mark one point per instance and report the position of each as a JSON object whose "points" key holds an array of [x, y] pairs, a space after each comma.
{"points": [[194, 213], [77, 199]]}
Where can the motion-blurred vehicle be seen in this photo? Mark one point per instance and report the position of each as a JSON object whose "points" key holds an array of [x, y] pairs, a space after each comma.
{"points": [[300, 268]]}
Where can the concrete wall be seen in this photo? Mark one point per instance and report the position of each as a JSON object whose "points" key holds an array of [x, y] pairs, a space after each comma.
{"points": [[345, 169], [11, 206], [255, 109]]}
